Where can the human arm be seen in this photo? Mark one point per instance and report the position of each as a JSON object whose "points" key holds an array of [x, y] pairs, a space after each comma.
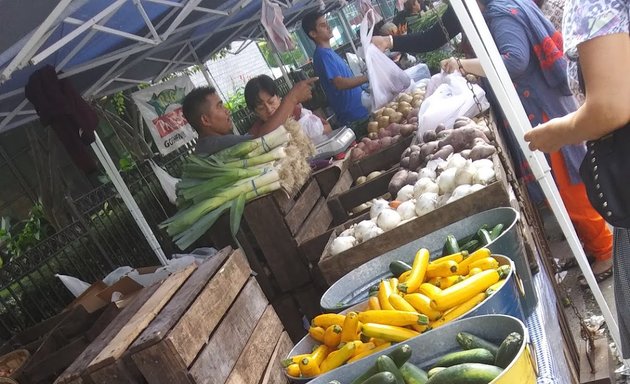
{"points": [[429, 40], [607, 96], [342, 83], [300, 93]]}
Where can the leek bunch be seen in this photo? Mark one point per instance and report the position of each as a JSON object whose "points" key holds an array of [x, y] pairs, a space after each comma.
{"points": [[228, 179]]}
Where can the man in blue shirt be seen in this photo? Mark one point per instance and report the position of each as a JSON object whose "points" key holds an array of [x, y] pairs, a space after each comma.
{"points": [[342, 88]]}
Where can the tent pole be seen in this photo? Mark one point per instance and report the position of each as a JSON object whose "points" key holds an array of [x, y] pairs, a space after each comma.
{"points": [[125, 194], [482, 42]]}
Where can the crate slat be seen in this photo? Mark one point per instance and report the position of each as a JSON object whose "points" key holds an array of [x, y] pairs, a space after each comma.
{"points": [[303, 206], [275, 372]]}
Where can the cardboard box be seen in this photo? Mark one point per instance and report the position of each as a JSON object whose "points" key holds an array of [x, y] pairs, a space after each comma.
{"points": [[90, 299]]}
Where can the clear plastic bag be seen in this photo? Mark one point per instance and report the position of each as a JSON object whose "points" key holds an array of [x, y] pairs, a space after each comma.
{"points": [[74, 285], [387, 80], [311, 124]]}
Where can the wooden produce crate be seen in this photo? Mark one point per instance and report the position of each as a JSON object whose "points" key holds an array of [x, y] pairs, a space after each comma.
{"points": [[494, 195], [205, 324], [383, 159]]}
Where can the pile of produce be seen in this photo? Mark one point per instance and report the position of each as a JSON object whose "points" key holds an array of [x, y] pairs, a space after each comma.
{"points": [[482, 237], [479, 362], [421, 298], [391, 123], [228, 179]]}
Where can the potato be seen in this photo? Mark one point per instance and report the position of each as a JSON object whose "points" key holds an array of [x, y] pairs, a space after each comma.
{"points": [[382, 132], [404, 162], [440, 127], [406, 153], [386, 141], [396, 138], [428, 148], [413, 120], [404, 104], [415, 160], [372, 126], [373, 175], [383, 121], [389, 111], [396, 117], [394, 129], [405, 97], [407, 129], [405, 110], [412, 177], [378, 112], [372, 136], [373, 146], [464, 138], [361, 146], [414, 148], [465, 153], [392, 105], [444, 152], [482, 151], [397, 182], [357, 154], [429, 136], [416, 104], [413, 113], [361, 180]]}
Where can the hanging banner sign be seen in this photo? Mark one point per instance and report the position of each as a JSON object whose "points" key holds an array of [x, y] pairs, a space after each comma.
{"points": [[161, 108]]}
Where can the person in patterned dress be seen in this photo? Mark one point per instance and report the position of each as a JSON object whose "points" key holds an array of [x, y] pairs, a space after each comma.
{"points": [[597, 36]]}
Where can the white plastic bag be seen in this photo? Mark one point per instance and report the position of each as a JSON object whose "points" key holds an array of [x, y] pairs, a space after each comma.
{"points": [[117, 274], [355, 63], [74, 285], [449, 99], [168, 182], [311, 124], [418, 72], [387, 80]]}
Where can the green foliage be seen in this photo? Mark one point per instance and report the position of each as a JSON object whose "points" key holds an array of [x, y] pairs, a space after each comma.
{"points": [[236, 101], [118, 101], [19, 238], [294, 57], [426, 20]]}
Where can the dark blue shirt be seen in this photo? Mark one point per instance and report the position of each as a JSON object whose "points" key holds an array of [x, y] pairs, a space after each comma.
{"points": [[346, 103]]}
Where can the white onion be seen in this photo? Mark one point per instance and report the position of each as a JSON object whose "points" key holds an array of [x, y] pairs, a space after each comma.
{"points": [[407, 210], [465, 174], [362, 228], [341, 244], [426, 172], [348, 232], [446, 181], [372, 233], [405, 193], [483, 163], [456, 161], [377, 206], [424, 185], [388, 219], [476, 187], [484, 176], [426, 203], [459, 192]]}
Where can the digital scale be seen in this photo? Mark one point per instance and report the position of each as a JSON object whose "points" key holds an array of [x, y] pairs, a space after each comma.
{"points": [[333, 143]]}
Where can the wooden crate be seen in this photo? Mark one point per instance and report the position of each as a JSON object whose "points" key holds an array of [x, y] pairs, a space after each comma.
{"points": [[381, 160], [206, 324], [494, 195]]}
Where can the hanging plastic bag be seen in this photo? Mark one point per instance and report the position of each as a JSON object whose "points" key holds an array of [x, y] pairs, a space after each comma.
{"points": [[168, 182], [272, 20], [74, 285], [311, 124], [387, 80], [365, 6], [418, 72], [450, 98]]}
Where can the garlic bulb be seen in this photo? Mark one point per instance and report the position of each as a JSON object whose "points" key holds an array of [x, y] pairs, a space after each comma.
{"points": [[427, 173], [407, 210], [405, 193], [377, 206], [460, 192], [456, 161], [465, 174], [446, 181], [341, 244], [372, 233], [348, 232], [425, 185], [476, 187], [484, 176], [388, 219], [362, 228], [483, 163], [426, 203]]}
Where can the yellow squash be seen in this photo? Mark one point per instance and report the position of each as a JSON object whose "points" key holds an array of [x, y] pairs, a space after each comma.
{"points": [[446, 282], [485, 263], [294, 359], [317, 333], [388, 332], [328, 319], [332, 336], [464, 291], [422, 304], [401, 305], [405, 275], [308, 367], [458, 311], [474, 271], [369, 352], [456, 257], [350, 327], [430, 290], [373, 303], [444, 269], [384, 290], [479, 254], [393, 317], [361, 347], [293, 370], [393, 283], [495, 287], [418, 272], [339, 358], [319, 354]]}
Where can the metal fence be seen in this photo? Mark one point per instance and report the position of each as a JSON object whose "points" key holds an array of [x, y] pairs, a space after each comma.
{"points": [[102, 237]]}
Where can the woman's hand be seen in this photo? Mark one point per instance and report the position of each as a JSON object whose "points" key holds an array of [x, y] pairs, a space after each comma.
{"points": [[550, 136], [449, 65], [382, 42]]}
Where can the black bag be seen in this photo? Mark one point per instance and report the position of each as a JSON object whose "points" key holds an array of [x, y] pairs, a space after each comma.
{"points": [[605, 171]]}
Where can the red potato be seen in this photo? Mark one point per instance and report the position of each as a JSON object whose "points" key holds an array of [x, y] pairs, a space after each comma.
{"points": [[393, 129], [396, 138], [413, 120], [365, 140], [386, 141], [361, 146], [357, 154], [382, 132], [373, 146], [407, 129]]}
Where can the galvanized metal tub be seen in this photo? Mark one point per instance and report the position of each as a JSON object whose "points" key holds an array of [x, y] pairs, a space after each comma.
{"points": [[504, 302], [353, 287], [493, 328]]}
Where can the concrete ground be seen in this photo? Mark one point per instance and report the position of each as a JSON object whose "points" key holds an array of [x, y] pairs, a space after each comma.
{"points": [[582, 298]]}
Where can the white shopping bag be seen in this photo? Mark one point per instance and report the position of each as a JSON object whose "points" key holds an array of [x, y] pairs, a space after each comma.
{"points": [[449, 98], [387, 80]]}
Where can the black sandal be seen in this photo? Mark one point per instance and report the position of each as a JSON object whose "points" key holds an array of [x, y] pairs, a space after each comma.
{"points": [[598, 277]]}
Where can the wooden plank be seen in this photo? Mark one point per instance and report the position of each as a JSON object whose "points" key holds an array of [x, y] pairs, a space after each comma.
{"points": [[345, 182], [50, 366], [194, 327], [160, 363], [316, 223], [308, 298], [303, 206], [289, 313], [263, 275], [216, 361], [277, 244], [74, 371], [275, 372], [281, 199], [381, 160], [254, 359], [174, 310], [328, 177], [334, 267], [141, 319], [109, 314], [122, 371]]}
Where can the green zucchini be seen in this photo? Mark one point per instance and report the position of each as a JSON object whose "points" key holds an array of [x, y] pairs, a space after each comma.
{"points": [[470, 246], [381, 378], [412, 374], [476, 355], [434, 370], [386, 364], [508, 349], [398, 267], [467, 373], [484, 237], [469, 341], [450, 246], [496, 231], [399, 355], [373, 289], [503, 271]]}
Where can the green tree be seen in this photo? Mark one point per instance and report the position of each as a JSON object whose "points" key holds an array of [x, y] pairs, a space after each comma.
{"points": [[294, 57]]}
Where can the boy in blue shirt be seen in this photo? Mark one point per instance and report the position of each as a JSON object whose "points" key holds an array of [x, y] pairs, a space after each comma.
{"points": [[342, 88]]}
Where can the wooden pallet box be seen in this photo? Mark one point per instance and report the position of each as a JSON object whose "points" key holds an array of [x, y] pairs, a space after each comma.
{"points": [[205, 324], [381, 160]]}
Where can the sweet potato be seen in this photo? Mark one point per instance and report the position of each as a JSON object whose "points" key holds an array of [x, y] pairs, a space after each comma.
{"points": [[482, 151], [440, 127], [413, 119], [462, 121], [404, 162], [415, 159], [465, 153], [397, 182], [412, 177], [428, 148], [463, 138], [414, 148], [407, 129], [406, 153], [443, 133], [429, 136], [444, 152]]}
